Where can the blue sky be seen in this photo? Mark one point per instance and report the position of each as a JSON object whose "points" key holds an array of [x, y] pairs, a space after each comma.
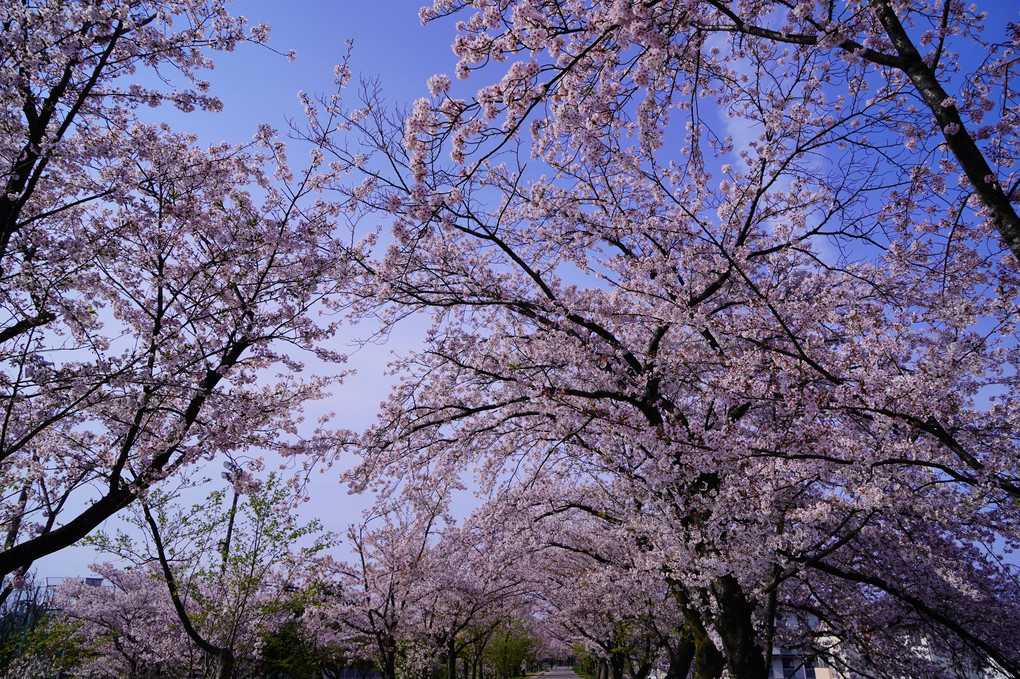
{"points": [[257, 85]]}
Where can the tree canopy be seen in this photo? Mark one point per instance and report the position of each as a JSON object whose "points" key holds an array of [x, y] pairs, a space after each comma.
{"points": [[723, 298]]}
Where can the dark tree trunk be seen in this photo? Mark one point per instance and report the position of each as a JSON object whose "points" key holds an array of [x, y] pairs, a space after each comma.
{"points": [[745, 658], [617, 664], [451, 659], [681, 657], [642, 671], [25, 553], [225, 665], [708, 660], [388, 662]]}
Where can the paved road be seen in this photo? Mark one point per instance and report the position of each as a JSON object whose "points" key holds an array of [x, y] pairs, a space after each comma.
{"points": [[561, 672]]}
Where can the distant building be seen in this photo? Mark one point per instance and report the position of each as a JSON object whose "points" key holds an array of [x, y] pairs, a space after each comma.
{"points": [[789, 665]]}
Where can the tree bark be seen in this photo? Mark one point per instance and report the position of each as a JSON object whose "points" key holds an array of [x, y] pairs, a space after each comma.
{"points": [[680, 658], [225, 665], [451, 659], [617, 664], [708, 661], [744, 656]]}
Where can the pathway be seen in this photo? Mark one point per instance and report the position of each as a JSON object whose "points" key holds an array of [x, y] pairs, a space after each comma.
{"points": [[560, 672]]}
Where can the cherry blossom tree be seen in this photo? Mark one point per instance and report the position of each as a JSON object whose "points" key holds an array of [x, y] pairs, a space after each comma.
{"points": [[183, 604], [591, 588], [377, 607], [481, 584], [731, 288], [422, 595], [127, 623], [901, 62], [149, 288], [599, 610]]}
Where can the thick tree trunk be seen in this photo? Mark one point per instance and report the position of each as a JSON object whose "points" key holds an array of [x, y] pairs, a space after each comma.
{"points": [[225, 665], [708, 661], [451, 659], [642, 671], [617, 664], [745, 658], [681, 657], [388, 667], [25, 553]]}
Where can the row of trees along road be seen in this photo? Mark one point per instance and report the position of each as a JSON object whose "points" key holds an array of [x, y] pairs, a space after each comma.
{"points": [[724, 301], [397, 609], [734, 281]]}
